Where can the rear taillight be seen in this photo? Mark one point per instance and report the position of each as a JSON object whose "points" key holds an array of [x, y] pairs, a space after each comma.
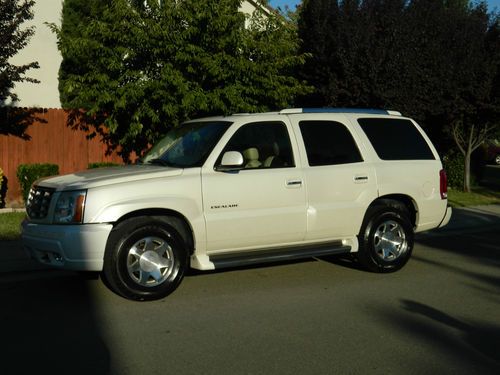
{"points": [[443, 184]]}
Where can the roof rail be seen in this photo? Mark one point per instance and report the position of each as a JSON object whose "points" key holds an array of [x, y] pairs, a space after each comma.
{"points": [[340, 110]]}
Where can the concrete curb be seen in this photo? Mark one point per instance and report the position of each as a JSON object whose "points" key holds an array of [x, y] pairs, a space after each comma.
{"points": [[7, 210]]}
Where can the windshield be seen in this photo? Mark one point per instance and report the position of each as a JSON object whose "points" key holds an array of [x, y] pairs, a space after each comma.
{"points": [[187, 146]]}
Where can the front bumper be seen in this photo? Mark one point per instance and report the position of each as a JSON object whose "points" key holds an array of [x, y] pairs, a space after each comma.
{"points": [[72, 247]]}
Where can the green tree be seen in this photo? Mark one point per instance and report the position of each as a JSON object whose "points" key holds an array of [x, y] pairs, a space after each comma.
{"points": [[436, 61], [13, 38], [133, 69]]}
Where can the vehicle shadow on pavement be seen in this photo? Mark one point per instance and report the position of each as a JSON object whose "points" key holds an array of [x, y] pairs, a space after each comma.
{"points": [[49, 325], [483, 248]]}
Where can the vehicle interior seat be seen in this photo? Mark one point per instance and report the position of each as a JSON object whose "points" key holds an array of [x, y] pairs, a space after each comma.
{"points": [[275, 154], [251, 156]]}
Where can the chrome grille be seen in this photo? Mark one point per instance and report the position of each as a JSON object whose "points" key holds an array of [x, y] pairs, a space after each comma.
{"points": [[39, 202]]}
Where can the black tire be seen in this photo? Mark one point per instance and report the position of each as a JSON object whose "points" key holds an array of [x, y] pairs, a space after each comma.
{"points": [[386, 237], [145, 258]]}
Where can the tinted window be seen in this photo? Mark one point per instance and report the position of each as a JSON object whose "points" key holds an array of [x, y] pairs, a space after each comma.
{"points": [[396, 139], [328, 143], [263, 145]]}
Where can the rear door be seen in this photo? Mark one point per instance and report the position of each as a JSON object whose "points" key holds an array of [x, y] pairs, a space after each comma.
{"points": [[340, 182]]}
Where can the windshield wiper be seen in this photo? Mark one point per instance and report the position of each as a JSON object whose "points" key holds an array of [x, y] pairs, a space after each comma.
{"points": [[163, 163]]}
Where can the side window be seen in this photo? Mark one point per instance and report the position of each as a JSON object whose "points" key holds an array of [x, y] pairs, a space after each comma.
{"points": [[396, 139], [328, 143], [263, 145]]}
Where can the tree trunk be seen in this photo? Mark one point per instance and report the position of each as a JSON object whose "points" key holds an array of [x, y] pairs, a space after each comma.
{"points": [[467, 170]]}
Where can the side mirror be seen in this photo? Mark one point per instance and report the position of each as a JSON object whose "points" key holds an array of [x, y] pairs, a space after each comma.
{"points": [[231, 161]]}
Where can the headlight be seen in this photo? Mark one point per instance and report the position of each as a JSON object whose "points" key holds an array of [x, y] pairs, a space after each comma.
{"points": [[69, 207]]}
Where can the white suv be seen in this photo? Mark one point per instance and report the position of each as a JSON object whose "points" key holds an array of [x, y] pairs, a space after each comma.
{"points": [[244, 189]]}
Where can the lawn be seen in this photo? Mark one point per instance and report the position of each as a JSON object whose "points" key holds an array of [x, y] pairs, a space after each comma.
{"points": [[10, 225], [479, 196]]}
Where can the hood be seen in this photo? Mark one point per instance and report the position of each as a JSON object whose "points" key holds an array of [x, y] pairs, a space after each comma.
{"points": [[107, 176]]}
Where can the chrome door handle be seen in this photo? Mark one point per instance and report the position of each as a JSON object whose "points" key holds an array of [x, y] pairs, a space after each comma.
{"points": [[360, 178], [293, 183]]}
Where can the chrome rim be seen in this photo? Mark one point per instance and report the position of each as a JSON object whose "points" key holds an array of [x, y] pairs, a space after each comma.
{"points": [[497, 159], [389, 240], [150, 261]]}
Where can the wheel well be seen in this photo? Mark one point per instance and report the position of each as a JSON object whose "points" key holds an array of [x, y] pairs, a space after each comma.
{"points": [[180, 223], [407, 201]]}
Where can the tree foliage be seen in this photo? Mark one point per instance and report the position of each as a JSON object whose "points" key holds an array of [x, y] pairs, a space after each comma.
{"points": [[13, 38], [436, 61], [133, 69]]}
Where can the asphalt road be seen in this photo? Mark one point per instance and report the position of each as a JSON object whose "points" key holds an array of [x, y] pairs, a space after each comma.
{"points": [[439, 315]]}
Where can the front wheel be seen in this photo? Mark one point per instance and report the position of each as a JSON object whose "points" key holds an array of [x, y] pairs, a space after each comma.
{"points": [[145, 258], [386, 238]]}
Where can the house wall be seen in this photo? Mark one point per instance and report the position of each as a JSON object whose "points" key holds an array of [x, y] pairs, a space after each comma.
{"points": [[43, 49]]}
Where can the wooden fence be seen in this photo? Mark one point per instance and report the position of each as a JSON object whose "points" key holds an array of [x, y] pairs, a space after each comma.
{"points": [[51, 142]]}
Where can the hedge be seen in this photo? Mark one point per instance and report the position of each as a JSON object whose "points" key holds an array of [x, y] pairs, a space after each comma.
{"points": [[27, 174]]}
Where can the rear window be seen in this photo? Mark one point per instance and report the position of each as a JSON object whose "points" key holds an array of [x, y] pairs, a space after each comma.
{"points": [[396, 139]]}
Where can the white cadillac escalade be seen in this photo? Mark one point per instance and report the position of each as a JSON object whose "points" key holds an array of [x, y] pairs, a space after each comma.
{"points": [[245, 189]]}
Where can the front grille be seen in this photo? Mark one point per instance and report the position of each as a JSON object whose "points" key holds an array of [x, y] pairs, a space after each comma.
{"points": [[39, 202]]}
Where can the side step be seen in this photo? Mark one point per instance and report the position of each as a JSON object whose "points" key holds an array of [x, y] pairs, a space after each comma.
{"points": [[278, 255]]}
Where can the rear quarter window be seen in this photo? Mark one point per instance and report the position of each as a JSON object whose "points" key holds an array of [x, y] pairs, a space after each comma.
{"points": [[396, 139]]}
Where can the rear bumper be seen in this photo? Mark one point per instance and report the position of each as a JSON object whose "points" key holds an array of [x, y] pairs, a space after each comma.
{"points": [[72, 247], [446, 218]]}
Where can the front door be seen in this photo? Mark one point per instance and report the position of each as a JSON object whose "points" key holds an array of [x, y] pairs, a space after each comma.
{"points": [[261, 205]]}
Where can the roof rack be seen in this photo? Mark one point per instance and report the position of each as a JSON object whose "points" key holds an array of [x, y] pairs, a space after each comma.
{"points": [[340, 110]]}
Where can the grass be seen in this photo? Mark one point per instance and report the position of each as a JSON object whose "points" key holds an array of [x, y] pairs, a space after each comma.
{"points": [[10, 225], [479, 195]]}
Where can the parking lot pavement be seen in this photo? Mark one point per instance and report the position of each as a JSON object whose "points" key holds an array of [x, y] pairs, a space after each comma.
{"points": [[13, 258]]}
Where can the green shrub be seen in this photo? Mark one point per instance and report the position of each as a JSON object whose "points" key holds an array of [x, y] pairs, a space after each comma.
{"points": [[27, 174], [1, 178], [102, 164], [454, 167]]}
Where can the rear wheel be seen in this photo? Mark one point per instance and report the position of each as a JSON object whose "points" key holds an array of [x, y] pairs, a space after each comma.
{"points": [[386, 237], [145, 258]]}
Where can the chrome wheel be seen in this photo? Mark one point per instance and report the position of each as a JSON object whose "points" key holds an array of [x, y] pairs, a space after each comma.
{"points": [[150, 261], [497, 159], [389, 240]]}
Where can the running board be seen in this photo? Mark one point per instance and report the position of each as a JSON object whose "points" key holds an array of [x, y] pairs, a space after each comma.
{"points": [[277, 255]]}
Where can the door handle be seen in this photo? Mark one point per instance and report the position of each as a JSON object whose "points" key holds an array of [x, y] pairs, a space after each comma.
{"points": [[294, 183], [359, 179]]}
